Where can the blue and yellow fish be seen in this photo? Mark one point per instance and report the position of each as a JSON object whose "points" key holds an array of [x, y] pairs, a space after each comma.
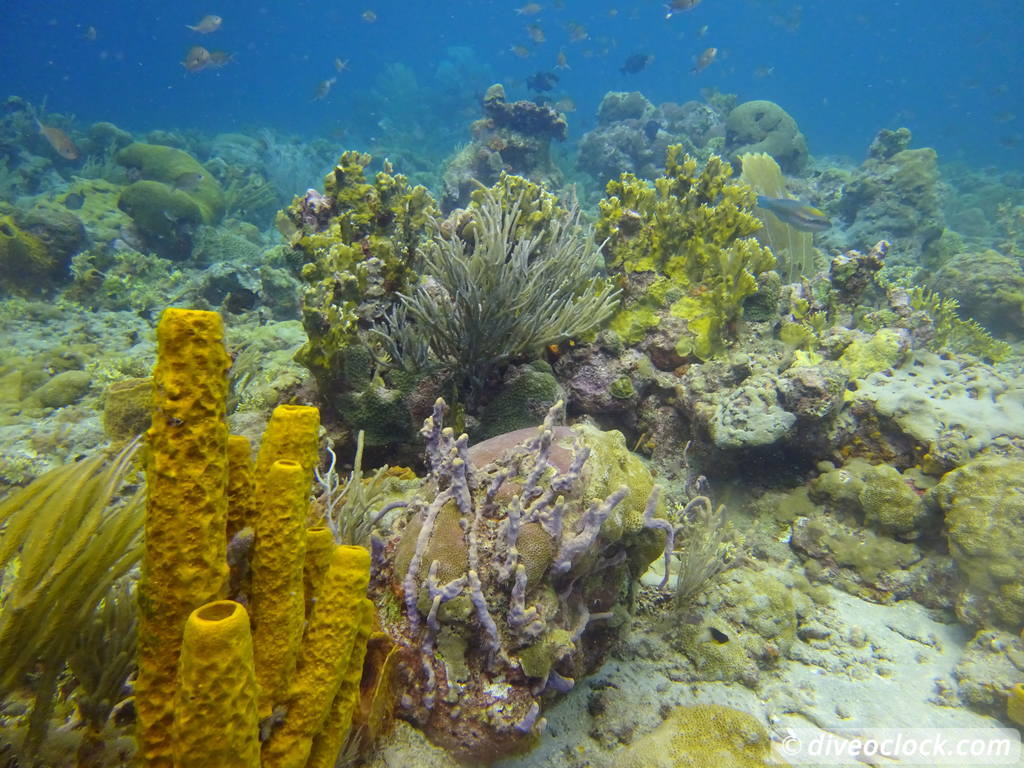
{"points": [[798, 215]]}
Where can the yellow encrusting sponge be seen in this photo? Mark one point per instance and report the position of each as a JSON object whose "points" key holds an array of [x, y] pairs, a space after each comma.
{"points": [[278, 603], [215, 723], [334, 629], [184, 564]]}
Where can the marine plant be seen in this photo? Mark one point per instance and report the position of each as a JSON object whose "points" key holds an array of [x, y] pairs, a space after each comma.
{"points": [[690, 234], [518, 276], [952, 332], [351, 508], [67, 538]]}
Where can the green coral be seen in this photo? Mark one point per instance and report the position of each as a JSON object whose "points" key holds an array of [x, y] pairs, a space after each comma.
{"points": [[524, 399], [23, 257], [693, 232], [704, 736], [953, 333], [983, 503], [875, 353], [363, 253], [180, 172], [160, 210], [889, 502]]}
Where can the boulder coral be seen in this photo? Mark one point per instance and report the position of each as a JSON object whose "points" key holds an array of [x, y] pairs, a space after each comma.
{"points": [[511, 577], [764, 126]]}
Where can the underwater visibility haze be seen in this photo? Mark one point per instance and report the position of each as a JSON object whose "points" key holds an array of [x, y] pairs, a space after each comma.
{"points": [[579, 384]]}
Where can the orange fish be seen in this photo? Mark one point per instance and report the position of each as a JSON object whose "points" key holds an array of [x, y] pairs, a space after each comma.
{"points": [[197, 59], [60, 141], [209, 23]]}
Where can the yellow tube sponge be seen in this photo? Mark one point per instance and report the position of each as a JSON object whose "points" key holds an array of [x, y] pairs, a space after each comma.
{"points": [[334, 733], [1015, 704], [319, 548], [240, 484], [326, 649], [292, 433], [215, 724], [184, 564], [278, 603]]}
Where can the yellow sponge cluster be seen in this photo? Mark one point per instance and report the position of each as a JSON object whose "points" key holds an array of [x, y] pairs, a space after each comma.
{"points": [[207, 670]]}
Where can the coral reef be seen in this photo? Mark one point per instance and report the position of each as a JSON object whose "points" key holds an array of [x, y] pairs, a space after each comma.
{"points": [[983, 502], [36, 247], [172, 195], [764, 126], [684, 249], [895, 196], [513, 138], [988, 286], [632, 135], [357, 243], [518, 277], [511, 576], [705, 736]]}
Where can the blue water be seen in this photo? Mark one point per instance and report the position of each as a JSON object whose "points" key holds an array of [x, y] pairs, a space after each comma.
{"points": [[950, 71]]}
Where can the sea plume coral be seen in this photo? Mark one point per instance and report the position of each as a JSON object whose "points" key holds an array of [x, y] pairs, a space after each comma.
{"points": [[68, 537], [505, 285]]}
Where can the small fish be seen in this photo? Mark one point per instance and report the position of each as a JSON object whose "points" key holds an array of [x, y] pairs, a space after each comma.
{"points": [[209, 23], [530, 9], [680, 6], [521, 51], [323, 88], [541, 81], [651, 129], [197, 59], [565, 105], [219, 58], [702, 31], [60, 141], [90, 33], [636, 63], [577, 32], [561, 63], [188, 181], [704, 60], [341, 65], [762, 72], [536, 33], [368, 16], [798, 215]]}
